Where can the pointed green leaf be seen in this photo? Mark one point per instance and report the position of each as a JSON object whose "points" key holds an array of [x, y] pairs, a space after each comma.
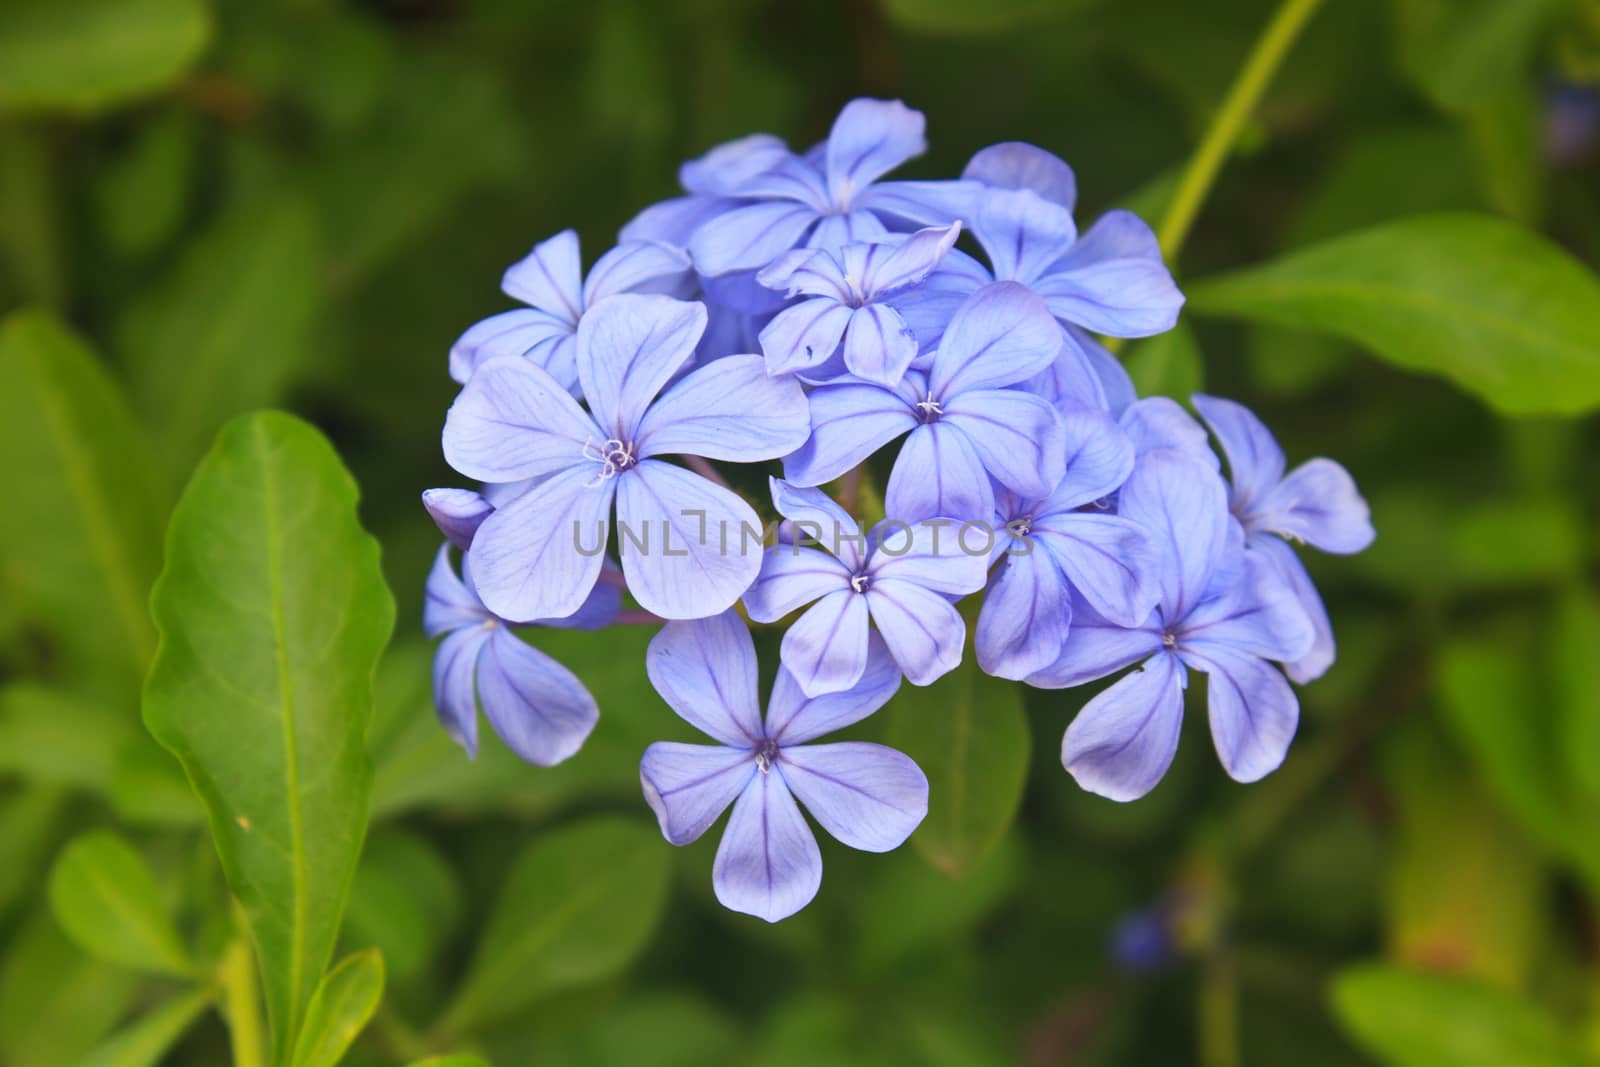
{"points": [[1497, 309], [1168, 364], [342, 1006], [144, 1043], [273, 611], [81, 555], [225, 330], [1407, 1019], [969, 734], [106, 899], [83, 55], [577, 907]]}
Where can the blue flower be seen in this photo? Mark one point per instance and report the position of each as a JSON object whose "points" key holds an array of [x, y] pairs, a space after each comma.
{"points": [[847, 289], [681, 537], [965, 427], [1066, 543], [1316, 503], [550, 280], [752, 200], [1223, 611], [867, 796], [539, 708], [898, 579]]}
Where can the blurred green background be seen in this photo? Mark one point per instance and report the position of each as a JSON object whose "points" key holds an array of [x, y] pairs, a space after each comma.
{"points": [[300, 204]]}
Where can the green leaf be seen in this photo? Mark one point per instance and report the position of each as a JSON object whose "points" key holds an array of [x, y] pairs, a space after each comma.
{"points": [[30, 215], [106, 899], [342, 1006], [1462, 53], [405, 900], [144, 1043], [28, 818], [1575, 638], [81, 555], [273, 611], [576, 908], [52, 735], [969, 734], [55, 1002], [1498, 310], [142, 195], [84, 55], [225, 330], [961, 17], [1407, 1019], [1168, 364]]}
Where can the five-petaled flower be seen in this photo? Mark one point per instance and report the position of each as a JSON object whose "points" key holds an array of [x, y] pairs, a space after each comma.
{"points": [[867, 796]]}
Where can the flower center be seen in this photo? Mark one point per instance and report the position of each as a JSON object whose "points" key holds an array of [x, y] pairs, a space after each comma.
{"points": [[1020, 527], [859, 582], [766, 755], [928, 410], [1169, 640], [614, 457]]}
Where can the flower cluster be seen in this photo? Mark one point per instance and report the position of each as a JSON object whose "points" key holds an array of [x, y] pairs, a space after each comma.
{"points": [[796, 307]]}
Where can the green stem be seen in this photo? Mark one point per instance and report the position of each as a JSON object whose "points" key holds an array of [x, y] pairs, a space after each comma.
{"points": [[242, 1004], [1219, 1010], [1198, 177]]}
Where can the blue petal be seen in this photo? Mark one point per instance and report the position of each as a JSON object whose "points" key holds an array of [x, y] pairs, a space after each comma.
{"points": [[867, 796], [794, 718], [1185, 507], [1099, 458], [1018, 165], [825, 650], [869, 139], [1315, 663], [808, 271], [1071, 381], [513, 421], [725, 169], [549, 278], [1111, 561], [791, 178], [690, 786], [732, 410], [688, 555], [923, 631], [529, 559], [931, 553], [1159, 423], [1318, 503], [1025, 616], [750, 237], [1003, 334], [1253, 710], [633, 267], [891, 266], [805, 335], [628, 348], [599, 609], [1018, 437], [447, 602], [675, 221], [526, 332], [821, 518], [768, 864], [457, 512], [455, 698], [1113, 281], [1123, 740], [848, 424], [1096, 647], [706, 672], [791, 577], [1022, 233], [1256, 613], [1255, 462], [878, 345], [909, 205], [1114, 380], [938, 474], [834, 233], [539, 708]]}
